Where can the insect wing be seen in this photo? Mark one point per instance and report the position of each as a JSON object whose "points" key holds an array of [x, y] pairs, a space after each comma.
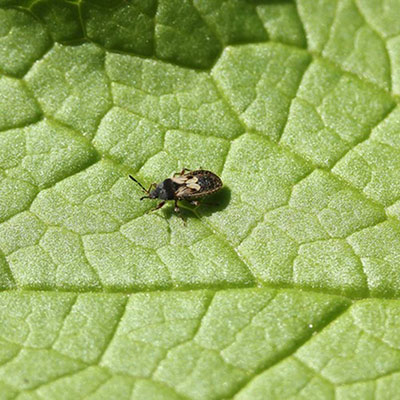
{"points": [[199, 183], [180, 179], [185, 192]]}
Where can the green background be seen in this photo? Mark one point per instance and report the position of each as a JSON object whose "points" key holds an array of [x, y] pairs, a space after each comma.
{"points": [[288, 289]]}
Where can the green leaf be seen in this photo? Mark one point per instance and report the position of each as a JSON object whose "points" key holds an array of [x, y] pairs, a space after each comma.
{"points": [[287, 287]]}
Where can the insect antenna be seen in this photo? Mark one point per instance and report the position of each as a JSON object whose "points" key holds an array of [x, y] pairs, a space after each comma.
{"points": [[143, 188]]}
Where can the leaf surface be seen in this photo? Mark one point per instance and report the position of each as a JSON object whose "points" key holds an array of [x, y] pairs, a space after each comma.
{"points": [[287, 287]]}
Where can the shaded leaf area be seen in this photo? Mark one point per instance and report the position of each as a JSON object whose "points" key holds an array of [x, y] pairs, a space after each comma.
{"points": [[359, 36], [190, 33]]}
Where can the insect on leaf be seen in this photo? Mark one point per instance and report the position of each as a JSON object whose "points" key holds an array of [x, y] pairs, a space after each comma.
{"points": [[286, 287]]}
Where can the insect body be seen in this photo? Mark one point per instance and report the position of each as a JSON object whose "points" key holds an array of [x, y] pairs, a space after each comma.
{"points": [[187, 185]]}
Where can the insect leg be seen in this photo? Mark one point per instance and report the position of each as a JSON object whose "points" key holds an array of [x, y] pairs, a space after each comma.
{"points": [[178, 212], [176, 208], [195, 203], [158, 206], [182, 172], [151, 186]]}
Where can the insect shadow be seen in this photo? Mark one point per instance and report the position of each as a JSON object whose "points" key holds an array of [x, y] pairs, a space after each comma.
{"points": [[211, 204], [215, 202]]}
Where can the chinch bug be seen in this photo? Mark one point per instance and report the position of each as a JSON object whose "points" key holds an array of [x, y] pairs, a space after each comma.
{"points": [[185, 185]]}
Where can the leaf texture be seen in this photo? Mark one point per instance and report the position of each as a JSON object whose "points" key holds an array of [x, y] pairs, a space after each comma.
{"points": [[288, 287]]}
